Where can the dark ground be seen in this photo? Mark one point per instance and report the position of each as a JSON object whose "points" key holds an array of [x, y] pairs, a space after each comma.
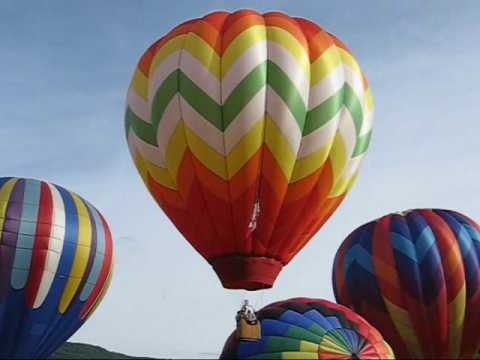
{"points": [[86, 351]]}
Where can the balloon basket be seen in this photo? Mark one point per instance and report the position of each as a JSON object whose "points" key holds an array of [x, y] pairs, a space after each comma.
{"points": [[249, 332]]}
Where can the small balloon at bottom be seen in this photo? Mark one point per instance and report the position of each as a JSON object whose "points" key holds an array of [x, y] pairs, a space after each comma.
{"points": [[303, 328]]}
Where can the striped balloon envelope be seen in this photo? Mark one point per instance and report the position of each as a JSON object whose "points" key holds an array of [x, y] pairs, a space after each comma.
{"points": [[248, 130], [415, 276], [55, 265], [302, 328]]}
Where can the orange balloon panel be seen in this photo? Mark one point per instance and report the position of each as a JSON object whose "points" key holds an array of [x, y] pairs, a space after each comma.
{"points": [[248, 130]]}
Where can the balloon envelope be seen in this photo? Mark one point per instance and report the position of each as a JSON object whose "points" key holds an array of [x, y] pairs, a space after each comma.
{"points": [[415, 276], [248, 131], [302, 328], [55, 265]]}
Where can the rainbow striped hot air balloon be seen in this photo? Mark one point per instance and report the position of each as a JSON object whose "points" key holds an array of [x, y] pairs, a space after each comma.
{"points": [[248, 130], [415, 276], [55, 265], [302, 328]]}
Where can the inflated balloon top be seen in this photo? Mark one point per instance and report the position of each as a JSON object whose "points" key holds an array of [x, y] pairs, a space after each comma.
{"points": [[415, 276], [302, 328], [248, 130], [55, 266]]}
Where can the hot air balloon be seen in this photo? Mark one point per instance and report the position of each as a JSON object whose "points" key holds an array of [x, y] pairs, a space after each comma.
{"points": [[302, 328], [55, 266], [415, 276], [248, 131]]}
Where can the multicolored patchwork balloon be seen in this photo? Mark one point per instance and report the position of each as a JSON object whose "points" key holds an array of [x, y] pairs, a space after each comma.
{"points": [[415, 276], [55, 266], [248, 130], [302, 328]]}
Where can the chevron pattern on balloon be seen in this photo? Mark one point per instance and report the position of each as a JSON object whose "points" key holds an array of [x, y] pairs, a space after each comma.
{"points": [[415, 276], [235, 111]]}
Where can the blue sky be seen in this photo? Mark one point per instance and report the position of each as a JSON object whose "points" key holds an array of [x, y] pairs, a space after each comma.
{"points": [[65, 69]]}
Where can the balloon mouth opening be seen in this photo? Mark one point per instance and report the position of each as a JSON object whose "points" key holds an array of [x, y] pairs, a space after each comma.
{"points": [[244, 272]]}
